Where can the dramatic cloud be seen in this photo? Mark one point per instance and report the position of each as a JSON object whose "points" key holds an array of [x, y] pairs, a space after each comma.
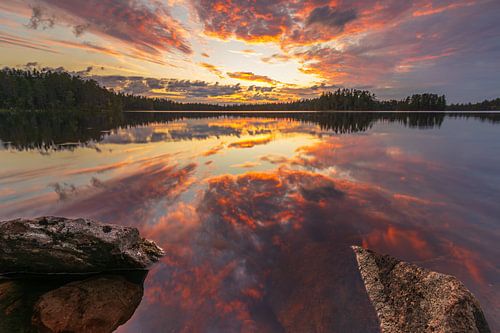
{"points": [[269, 251], [273, 21], [391, 46], [260, 22], [147, 28]]}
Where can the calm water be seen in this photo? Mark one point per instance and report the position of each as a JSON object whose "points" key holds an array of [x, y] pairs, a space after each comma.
{"points": [[257, 214]]}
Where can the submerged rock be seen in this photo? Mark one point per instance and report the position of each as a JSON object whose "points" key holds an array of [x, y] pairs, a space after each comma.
{"points": [[61, 245], [96, 305], [408, 298]]}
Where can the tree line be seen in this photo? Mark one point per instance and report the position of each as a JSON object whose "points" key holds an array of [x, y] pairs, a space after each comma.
{"points": [[486, 105], [50, 90], [56, 90], [339, 100]]}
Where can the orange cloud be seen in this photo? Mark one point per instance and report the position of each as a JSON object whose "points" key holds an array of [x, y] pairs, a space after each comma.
{"points": [[246, 165], [213, 69], [360, 43], [214, 150], [249, 76], [250, 143]]}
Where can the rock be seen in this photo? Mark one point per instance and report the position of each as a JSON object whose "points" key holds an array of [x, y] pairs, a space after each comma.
{"points": [[96, 305], [60, 245], [408, 298]]}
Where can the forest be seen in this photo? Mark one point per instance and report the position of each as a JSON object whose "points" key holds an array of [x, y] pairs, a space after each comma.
{"points": [[48, 90], [56, 91]]}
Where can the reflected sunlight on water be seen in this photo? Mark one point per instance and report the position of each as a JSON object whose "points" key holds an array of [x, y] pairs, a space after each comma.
{"points": [[257, 214]]}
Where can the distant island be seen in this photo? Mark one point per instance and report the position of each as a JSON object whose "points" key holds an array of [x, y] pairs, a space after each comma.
{"points": [[35, 90]]}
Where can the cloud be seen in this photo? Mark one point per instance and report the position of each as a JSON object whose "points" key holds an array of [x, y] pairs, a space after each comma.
{"points": [[79, 29], [86, 71], [279, 21], [331, 17], [269, 251], [9, 39], [274, 159], [202, 91], [249, 76], [129, 197], [250, 143], [213, 69], [38, 20], [114, 52], [263, 21], [395, 47], [168, 88], [246, 52], [431, 9], [145, 28], [276, 58], [246, 165], [393, 54]]}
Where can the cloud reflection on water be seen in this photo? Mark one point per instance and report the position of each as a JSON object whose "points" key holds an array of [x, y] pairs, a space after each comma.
{"points": [[268, 250]]}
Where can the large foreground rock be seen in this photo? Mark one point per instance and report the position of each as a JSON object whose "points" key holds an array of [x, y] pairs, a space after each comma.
{"points": [[408, 298], [60, 245]]}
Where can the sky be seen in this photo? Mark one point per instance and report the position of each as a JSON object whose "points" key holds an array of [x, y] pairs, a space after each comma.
{"points": [[233, 51]]}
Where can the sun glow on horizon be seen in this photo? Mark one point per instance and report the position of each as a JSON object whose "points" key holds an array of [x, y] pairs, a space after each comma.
{"points": [[232, 52]]}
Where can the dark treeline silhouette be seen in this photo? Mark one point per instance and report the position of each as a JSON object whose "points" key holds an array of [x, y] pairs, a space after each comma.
{"points": [[339, 100], [486, 105], [48, 90], [56, 90]]}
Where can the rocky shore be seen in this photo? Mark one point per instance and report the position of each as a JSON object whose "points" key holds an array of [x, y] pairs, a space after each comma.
{"points": [[408, 298], [79, 275], [70, 275]]}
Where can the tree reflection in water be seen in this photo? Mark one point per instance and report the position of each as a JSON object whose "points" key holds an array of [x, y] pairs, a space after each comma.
{"points": [[60, 130]]}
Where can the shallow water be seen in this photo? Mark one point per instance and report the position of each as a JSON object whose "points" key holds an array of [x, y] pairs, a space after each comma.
{"points": [[256, 214]]}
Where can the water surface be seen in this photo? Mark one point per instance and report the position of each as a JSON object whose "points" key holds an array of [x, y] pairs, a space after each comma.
{"points": [[256, 214]]}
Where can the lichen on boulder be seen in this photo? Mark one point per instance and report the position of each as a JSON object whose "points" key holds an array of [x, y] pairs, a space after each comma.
{"points": [[62, 246], [408, 298]]}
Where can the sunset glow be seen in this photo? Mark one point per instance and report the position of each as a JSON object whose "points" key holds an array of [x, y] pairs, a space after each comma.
{"points": [[231, 51]]}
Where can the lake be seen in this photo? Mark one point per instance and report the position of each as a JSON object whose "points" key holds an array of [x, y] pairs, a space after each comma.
{"points": [[257, 213]]}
